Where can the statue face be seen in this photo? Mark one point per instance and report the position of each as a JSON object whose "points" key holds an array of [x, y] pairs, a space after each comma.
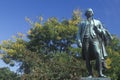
{"points": [[89, 14]]}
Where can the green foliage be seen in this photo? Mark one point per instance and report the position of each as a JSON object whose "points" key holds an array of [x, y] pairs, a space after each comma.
{"points": [[114, 54], [57, 66], [13, 49], [48, 53], [50, 35], [6, 74]]}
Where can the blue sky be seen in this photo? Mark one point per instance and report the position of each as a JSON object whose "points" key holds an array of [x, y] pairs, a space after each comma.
{"points": [[13, 13]]}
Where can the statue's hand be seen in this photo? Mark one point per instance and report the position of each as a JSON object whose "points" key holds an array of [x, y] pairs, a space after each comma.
{"points": [[79, 43], [98, 30]]}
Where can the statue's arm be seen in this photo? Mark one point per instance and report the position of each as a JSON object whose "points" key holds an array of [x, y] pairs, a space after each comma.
{"points": [[99, 28], [109, 35], [105, 32], [79, 43]]}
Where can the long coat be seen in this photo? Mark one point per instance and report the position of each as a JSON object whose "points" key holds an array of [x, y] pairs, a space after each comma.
{"points": [[98, 31]]}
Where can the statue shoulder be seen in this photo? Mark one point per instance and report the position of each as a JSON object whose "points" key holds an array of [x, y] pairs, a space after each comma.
{"points": [[97, 22]]}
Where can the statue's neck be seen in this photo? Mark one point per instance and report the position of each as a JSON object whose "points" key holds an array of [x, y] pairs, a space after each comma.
{"points": [[89, 18]]}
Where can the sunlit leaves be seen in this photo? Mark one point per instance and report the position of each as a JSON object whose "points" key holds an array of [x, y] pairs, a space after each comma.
{"points": [[51, 31], [76, 17], [108, 62], [49, 53], [14, 47], [113, 60]]}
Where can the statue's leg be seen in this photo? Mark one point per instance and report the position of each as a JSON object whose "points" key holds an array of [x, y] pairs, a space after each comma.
{"points": [[86, 52], [98, 59], [100, 68], [99, 65], [89, 67]]}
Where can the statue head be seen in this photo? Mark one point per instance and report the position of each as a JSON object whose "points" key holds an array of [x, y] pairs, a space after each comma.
{"points": [[89, 13]]}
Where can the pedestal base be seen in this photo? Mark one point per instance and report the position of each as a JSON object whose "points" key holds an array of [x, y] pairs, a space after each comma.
{"points": [[85, 78]]}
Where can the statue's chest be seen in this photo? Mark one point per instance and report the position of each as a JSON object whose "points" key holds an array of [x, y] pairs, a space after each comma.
{"points": [[91, 24]]}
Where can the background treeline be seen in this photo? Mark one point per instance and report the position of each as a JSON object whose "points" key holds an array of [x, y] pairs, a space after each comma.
{"points": [[49, 52]]}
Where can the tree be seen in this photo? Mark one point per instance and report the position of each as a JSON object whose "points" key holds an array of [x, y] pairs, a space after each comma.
{"points": [[6, 74], [14, 48], [52, 36], [48, 53], [114, 58]]}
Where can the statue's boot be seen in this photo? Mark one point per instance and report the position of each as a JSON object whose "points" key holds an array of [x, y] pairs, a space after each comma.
{"points": [[90, 76], [102, 75]]}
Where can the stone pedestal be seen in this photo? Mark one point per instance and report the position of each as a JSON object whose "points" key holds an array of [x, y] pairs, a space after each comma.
{"points": [[85, 78]]}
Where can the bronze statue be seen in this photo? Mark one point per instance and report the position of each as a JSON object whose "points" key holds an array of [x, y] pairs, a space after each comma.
{"points": [[92, 37]]}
